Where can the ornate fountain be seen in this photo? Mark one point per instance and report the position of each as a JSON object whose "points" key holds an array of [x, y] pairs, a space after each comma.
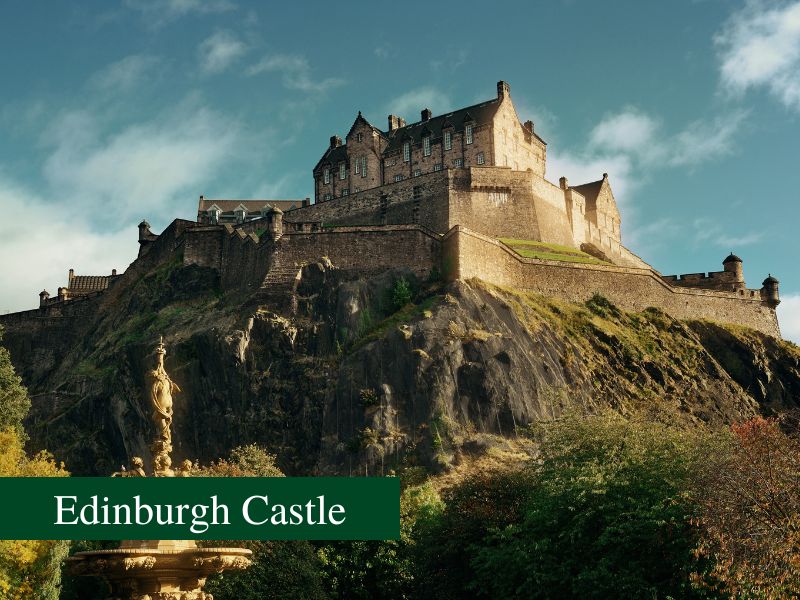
{"points": [[158, 569]]}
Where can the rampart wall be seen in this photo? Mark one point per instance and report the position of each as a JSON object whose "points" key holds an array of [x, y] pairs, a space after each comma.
{"points": [[632, 289]]}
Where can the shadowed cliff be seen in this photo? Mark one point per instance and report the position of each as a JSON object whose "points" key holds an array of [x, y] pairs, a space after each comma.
{"points": [[367, 373]]}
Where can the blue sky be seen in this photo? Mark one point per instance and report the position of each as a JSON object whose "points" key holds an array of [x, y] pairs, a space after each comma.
{"points": [[111, 112]]}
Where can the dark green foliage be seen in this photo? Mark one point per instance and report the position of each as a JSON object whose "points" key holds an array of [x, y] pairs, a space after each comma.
{"points": [[602, 307], [401, 293], [14, 401], [85, 588], [366, 570], [279, 570], [605, 513]]}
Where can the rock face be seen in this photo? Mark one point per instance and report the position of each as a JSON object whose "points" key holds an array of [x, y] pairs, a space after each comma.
{"points": [[350, 378]]}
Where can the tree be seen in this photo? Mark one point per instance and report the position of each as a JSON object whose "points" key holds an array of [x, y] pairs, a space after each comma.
{"points": [[280, 569], [609, 515], [14, 401], [751, 511], [29, 568]]}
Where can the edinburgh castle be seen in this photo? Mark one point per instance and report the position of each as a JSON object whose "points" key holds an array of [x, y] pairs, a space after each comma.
{"points": [[459, 195]]}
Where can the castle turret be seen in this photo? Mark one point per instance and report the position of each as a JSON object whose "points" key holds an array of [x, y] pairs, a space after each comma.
{"points": [[769, 291], [144, 231], [44, 296], [275, 223], [733, 265]]}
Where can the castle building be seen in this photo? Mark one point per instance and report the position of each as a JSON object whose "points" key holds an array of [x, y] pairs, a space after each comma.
{"points": [[486, 134], [79, 286], [462, 195]]}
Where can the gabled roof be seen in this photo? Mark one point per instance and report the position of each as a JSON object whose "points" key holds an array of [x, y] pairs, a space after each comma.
{"points": [[480, 114], [361, 120], [333, 156], [589, 190], [251, 206], [88, 283]]}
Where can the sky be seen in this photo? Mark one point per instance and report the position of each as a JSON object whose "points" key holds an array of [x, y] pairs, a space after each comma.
{"points": [[116, 111]]}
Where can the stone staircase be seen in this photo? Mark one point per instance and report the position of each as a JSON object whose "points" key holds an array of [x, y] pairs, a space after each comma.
{"points": [[277, 289]]}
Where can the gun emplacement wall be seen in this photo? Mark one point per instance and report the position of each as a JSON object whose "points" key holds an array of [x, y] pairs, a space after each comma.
{"points": [[474, 255]]}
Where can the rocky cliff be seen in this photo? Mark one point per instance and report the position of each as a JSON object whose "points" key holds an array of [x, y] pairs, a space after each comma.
{"points": [[349, 376]]}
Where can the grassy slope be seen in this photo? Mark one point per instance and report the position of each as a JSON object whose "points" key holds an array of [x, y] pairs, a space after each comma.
{"points": [[542, 250]]}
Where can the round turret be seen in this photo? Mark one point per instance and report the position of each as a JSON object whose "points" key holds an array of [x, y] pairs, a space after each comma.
{"points": [[275, 222], [769, 291], [733, 265], [44, 296]]}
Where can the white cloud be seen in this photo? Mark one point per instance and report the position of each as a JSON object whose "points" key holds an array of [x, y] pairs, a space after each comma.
{"points": [[412, 102], [631, 143], [296, 73], [49, 252], [219, 51], [125, 74], [161, 12], [759, 46], [146, 168], [789, 317], [628, 131]]}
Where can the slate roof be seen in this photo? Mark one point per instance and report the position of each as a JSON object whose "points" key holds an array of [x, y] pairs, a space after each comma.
{"points": [[251, 205], [84, 284], [731, 258], [589, 190], [333, 156], [479, 114]]}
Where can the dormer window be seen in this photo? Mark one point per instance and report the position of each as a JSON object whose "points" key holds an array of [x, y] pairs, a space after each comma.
{"points": [[342, 170], [240, 213], [468, 133], [406, 152], [448, 140], [326, 175], [426, 145], [213, 215]]}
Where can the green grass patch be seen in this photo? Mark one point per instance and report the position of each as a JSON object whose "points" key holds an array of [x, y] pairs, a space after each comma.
{"points": [[404, 315], [545, 251]]}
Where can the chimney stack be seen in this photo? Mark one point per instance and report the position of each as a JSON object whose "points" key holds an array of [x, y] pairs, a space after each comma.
{"points": [[113, 272], [394, 122], [503, 89], [563, 183], [529, 126], [426, 114], [336, 141], [71, 274]]}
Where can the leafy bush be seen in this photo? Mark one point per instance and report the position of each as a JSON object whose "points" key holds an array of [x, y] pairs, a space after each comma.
{"points": [[401, 293]]}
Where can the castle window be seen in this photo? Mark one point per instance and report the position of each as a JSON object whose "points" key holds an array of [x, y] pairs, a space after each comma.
{"points": [[468, 133], [406, 152], [346, 192], [448, 140], [426, 145], [213, 216], [458, 162], [356, 190], [437, 167], [359, 137], [328, 196], [327, 175], [363, 166], [417, 172], [481, 160], [342, 170], [417, 192], [398, 178], [357, 166], [240, 214]]}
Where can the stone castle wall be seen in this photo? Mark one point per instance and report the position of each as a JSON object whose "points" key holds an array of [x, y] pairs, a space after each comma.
{"points": [[471, 254]]}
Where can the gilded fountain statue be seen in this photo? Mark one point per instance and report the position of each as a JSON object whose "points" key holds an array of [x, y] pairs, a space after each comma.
{"points": [[159, 569]]}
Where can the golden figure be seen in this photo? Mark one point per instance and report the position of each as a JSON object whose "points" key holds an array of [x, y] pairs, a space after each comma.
{"points": [[161, 396]]}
